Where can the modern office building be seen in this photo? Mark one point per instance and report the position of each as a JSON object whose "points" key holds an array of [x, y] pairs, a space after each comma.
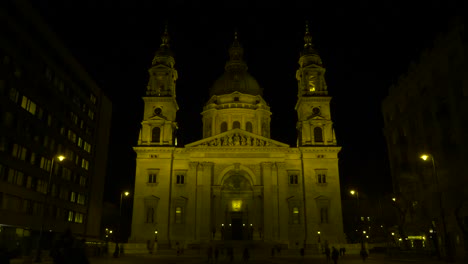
{"points": [[49, 106], [236, 183], [426, 113]]}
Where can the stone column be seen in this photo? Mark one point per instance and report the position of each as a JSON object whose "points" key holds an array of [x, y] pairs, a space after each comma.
{"points": [[269, 212], [191, 218], [217, 211], [204, 201], [282, 204]]}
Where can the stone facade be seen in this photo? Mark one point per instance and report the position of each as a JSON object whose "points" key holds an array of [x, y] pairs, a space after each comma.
{"points": [[237, 183]]}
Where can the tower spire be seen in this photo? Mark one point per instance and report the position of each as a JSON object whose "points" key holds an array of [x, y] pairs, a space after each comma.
{"points": [[165, 37], [236, 53]]}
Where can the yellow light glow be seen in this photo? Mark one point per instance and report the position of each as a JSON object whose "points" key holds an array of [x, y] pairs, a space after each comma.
{"points": [[156, 231], [364, 231], [126, 193], [110, 231], [318, 232], [236, 205], [424, 157], [60, 157], [352, 192], [394, 199], [393, 234], [367, 236]]}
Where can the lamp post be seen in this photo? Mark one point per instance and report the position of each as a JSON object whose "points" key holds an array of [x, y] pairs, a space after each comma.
{"points": [[426, 157], [60, 158], [361, 232], [116, 252]]}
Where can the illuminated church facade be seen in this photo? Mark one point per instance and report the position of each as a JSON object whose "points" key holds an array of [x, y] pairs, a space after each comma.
{"points": [[236, 183]]}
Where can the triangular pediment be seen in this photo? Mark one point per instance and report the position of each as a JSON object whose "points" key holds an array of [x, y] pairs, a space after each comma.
{"points": [[316, 117], [156, 118], [237, 138]]}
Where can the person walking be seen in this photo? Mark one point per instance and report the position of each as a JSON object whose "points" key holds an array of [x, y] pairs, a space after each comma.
{"points": [[335, 254], [246, 255], [327, 253], [364, 254]]}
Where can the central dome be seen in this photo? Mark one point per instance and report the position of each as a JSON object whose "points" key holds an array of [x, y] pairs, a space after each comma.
{"points": [[236, 78], [236, 81]]}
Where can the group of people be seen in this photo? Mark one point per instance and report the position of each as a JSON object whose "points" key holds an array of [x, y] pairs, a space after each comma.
{"points": [[213, 254], [334, 254]]}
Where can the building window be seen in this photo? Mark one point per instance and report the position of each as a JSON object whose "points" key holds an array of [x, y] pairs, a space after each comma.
{"points": [[72, 197], [295, 215], [29, 105], [318, 136], [81, 199], [70, 216], [78, 218], [156, 135], [321, 176], [323, 215], [223, 127], [178, 215], [248, 127], [293, 179], [180, 179], [152, 177], [150, 215], [236, 124]]}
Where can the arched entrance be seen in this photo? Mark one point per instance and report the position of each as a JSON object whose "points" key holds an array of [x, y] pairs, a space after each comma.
{"points": [[238, 207]]}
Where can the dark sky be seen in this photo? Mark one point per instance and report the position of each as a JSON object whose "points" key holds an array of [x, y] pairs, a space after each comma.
{"points": [[364, 46]]}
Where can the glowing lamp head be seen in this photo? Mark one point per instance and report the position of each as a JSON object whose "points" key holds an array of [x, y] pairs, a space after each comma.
{"points": [[60, 157], [352, 192], [424, 157], [126, 193], [318, 232]]}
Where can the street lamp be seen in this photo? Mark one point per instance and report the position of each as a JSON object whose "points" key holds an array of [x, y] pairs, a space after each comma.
{"points": [[60, 158], [116, 252], [426, 157], [356, 193]]}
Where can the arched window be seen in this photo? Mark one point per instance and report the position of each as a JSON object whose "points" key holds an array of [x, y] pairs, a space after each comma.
{"points": [[318, 134], [223, 127], [248, 127], [236, 124], [156, 134]]}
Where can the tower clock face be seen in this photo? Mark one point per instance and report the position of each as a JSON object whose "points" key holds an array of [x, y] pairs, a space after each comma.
{"points": [[157, 111], [315, 110]]}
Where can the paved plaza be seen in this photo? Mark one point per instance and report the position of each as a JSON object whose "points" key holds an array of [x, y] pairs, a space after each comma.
{"points": [[197, 259]]}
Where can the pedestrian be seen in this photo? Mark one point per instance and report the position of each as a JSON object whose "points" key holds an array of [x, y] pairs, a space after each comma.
{"points": [[246, 255], [364, 254], [216, 254], [335, 255], [327, 253], [302, 252], [210, 254]]}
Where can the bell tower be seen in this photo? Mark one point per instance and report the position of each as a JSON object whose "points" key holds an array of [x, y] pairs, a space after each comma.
{"points": [[160, 105], [314, 124]]}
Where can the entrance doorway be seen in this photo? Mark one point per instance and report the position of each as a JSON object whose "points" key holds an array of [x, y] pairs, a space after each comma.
{"points": [[236, 226]]}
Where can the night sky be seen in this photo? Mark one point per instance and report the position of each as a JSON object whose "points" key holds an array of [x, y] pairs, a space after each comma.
{"points": [[365, 46]]}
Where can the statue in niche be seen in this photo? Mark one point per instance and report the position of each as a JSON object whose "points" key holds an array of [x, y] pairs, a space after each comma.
{"points": [[230, 142], [225, 141], [248, 143], [218, 142]]}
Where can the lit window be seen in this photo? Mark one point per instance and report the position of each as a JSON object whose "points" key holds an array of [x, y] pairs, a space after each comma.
{"points": [[178, 215], [72, 197], [29, 105], [295, 215], [70, 216], [78, 217], [81, 199], [84, 164]]}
